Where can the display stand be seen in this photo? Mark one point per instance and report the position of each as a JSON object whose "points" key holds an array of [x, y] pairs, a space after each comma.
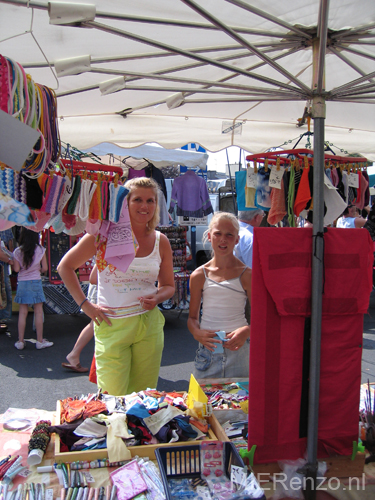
{"points": [[280, 346], [177, 238], [58, 299]]}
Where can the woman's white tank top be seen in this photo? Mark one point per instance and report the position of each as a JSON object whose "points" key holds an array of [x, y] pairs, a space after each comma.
{"points": [[120, 291], [223, 304]]}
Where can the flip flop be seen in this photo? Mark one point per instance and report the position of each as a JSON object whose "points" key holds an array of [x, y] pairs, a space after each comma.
{"points": [[75, 368]]}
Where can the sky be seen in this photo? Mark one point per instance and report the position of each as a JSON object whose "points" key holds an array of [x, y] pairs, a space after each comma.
{"points": [[218, 161]]}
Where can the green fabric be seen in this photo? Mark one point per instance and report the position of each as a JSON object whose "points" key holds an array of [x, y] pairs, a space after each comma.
{"points": [[291, 219], [128, 353], [74, 198]]}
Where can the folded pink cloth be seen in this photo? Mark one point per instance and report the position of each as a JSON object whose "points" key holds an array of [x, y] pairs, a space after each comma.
{"points": [[121, 245]]}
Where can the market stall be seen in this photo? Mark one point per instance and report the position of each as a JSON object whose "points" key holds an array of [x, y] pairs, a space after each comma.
{"points": [[136, 455]]}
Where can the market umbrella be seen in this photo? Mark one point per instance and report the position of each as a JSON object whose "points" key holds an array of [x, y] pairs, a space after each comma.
{"points": [[239, 73]]}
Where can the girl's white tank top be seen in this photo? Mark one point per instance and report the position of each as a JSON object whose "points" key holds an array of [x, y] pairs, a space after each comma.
{"points": [[223, 304]]}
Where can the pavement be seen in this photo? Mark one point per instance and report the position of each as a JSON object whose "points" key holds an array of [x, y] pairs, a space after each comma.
{"points": [[35, 378]]}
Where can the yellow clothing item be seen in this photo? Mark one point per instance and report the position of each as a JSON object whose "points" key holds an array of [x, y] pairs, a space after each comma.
{"points": [[128, 353]]}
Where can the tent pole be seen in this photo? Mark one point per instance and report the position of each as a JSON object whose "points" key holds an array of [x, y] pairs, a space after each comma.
{"points": [[316, 298], [318, 114]]}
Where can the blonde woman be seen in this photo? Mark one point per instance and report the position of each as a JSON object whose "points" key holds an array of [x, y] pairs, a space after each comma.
{"points": [[129, 335]]}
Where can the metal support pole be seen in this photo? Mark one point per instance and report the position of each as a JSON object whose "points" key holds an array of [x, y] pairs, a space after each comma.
{"points": [[234, 198], [316, 298], [193, 242]]}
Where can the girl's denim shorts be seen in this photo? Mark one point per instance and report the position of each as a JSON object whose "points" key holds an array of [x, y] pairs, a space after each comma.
{"points": [[29, 292]]}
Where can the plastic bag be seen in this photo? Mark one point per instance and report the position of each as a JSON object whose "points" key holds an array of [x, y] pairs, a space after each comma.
{"points": [[290, 482]]}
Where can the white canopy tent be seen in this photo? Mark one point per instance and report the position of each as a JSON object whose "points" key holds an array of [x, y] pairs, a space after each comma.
{"points": [[160, 157], [215, 72], [241, 71]]}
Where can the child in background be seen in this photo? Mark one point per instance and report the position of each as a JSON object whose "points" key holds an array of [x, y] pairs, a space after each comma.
{"points": [[29, 261], [224, 284]]}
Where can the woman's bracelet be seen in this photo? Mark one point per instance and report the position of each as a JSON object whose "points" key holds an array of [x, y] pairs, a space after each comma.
{"points": [[83, 302]]}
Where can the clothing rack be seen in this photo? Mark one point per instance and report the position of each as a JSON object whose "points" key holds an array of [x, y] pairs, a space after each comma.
{"points": [[78, 166], [284, 158]]}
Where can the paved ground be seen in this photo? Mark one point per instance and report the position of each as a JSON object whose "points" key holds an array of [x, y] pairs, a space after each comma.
{"points": [[35, 379]]}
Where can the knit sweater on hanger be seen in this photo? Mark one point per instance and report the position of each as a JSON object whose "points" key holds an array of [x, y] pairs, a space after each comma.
{"points": [[190, 193]]}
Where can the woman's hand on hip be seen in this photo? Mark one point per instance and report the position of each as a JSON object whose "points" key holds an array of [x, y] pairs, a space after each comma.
{"points": [[96, 313]]}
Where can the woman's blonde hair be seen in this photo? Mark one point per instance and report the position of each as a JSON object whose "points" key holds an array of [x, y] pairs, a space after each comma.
{"points": [[148, 183], [215, 218]]}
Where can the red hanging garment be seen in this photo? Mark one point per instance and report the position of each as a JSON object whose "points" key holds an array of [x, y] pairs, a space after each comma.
{"points": [[279, 346]]}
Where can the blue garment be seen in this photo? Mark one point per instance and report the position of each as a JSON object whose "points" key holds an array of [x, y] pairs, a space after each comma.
{"points": [[244, 248], [240, 190], [263, 191], [183, 423], [29, 292], [138, 410]]}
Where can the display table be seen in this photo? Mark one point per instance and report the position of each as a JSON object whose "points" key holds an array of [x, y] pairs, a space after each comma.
{"points": [[16, 443]]}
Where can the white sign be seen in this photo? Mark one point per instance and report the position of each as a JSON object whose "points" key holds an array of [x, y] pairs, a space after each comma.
{"points": [[192, 221], [275, 177], [251, 178], [353, 180]]}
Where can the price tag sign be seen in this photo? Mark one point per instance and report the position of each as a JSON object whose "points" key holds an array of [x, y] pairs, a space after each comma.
{"points": [[89, 477], [251, 178], [49, 494], [25, 473], [275, 177], [353, 180]]}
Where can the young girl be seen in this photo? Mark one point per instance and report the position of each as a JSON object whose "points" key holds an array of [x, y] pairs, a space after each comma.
{"points": [[29, 261], [224, 284]]}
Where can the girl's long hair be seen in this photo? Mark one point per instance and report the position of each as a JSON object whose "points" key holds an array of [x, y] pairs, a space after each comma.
{"points": [[28, 241]]}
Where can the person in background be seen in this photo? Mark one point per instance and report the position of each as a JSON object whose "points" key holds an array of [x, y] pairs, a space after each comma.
{"points": [[350, 218], [6, 238], [29, 261], [224, 285], [87, 333], [248, 219], [129, 335]]}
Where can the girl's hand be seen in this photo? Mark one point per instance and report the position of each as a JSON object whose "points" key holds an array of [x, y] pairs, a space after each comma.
{"points": [[96, 313], [237, 338], [206, 338], [149, 302]]}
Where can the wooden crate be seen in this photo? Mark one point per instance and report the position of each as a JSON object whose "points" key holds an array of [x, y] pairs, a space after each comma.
{"points": [[141, 451]]}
